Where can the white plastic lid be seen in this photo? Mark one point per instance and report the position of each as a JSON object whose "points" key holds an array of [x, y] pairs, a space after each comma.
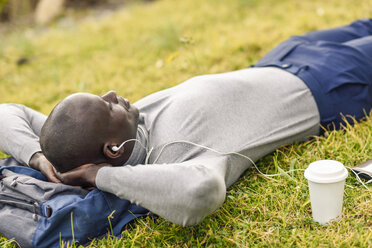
{"points": [[326, 171]]}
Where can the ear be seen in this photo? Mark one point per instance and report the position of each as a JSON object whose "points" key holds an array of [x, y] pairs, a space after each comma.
{"points": [[109, 153]]}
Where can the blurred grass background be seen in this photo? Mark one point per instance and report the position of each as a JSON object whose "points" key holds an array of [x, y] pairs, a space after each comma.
{"points": [[146, 47]]}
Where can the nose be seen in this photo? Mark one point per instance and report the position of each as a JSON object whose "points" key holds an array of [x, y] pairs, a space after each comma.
{"points": [[110, 97]]}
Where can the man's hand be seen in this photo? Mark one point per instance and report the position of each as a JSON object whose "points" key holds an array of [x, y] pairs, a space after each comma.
{"points": [[84, 176], [39, 162]]}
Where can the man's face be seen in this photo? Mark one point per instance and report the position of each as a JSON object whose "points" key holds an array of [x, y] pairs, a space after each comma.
{"points": [[122, 116], [108, 118]]}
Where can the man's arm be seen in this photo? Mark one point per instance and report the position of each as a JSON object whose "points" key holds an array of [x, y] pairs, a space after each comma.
{"points": [[20, 129], [183, 193]]}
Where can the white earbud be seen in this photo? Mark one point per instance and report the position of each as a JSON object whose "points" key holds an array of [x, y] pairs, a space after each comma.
{"points": [[115, 148]]}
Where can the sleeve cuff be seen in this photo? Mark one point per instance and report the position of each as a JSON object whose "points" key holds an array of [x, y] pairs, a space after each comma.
{"points": [[29, 150], [103, 178]]}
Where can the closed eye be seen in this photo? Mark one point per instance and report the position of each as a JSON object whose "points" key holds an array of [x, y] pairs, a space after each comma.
{"points": [[110, 105]]}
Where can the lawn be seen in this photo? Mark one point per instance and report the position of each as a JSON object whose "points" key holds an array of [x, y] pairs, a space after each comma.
{"points": [[147, 47]]}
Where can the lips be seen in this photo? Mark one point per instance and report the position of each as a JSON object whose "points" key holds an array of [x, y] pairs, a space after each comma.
{"points": [[125, 102]]}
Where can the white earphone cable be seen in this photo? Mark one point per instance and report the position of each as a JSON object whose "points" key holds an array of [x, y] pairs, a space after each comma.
{"points": [[221, 153], [148, 153]]}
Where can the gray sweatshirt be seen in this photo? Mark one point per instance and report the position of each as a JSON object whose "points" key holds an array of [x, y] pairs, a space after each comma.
{"points": [[251, 111]]}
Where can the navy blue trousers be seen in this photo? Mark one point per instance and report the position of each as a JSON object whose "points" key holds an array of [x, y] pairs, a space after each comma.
{"points": [[336, 64]]}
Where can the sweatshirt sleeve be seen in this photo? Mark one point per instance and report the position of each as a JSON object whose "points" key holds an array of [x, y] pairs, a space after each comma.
{"points": [[183, 193], [20, 129]]}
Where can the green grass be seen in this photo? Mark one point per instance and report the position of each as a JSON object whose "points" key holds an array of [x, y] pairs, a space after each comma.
{"points": [[148, 47]]}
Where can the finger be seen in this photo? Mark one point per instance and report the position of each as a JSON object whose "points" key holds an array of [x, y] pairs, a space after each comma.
{"points": [[50, 175], [70, 177], [89, 188], [53, 179], [84, 166], [65, 178], [104, 165]]}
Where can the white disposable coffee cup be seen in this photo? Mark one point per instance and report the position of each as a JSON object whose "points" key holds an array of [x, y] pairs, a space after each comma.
{"points": [[326, 180]]}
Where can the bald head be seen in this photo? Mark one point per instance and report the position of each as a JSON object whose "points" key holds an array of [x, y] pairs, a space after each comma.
{"points": [[82, 126], [71, 131]]}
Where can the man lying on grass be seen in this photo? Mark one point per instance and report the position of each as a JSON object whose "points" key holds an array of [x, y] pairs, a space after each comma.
{"points": [[305, 82]]}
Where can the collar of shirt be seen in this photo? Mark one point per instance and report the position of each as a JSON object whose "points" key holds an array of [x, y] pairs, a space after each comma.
{"points": [[138, 155]]}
